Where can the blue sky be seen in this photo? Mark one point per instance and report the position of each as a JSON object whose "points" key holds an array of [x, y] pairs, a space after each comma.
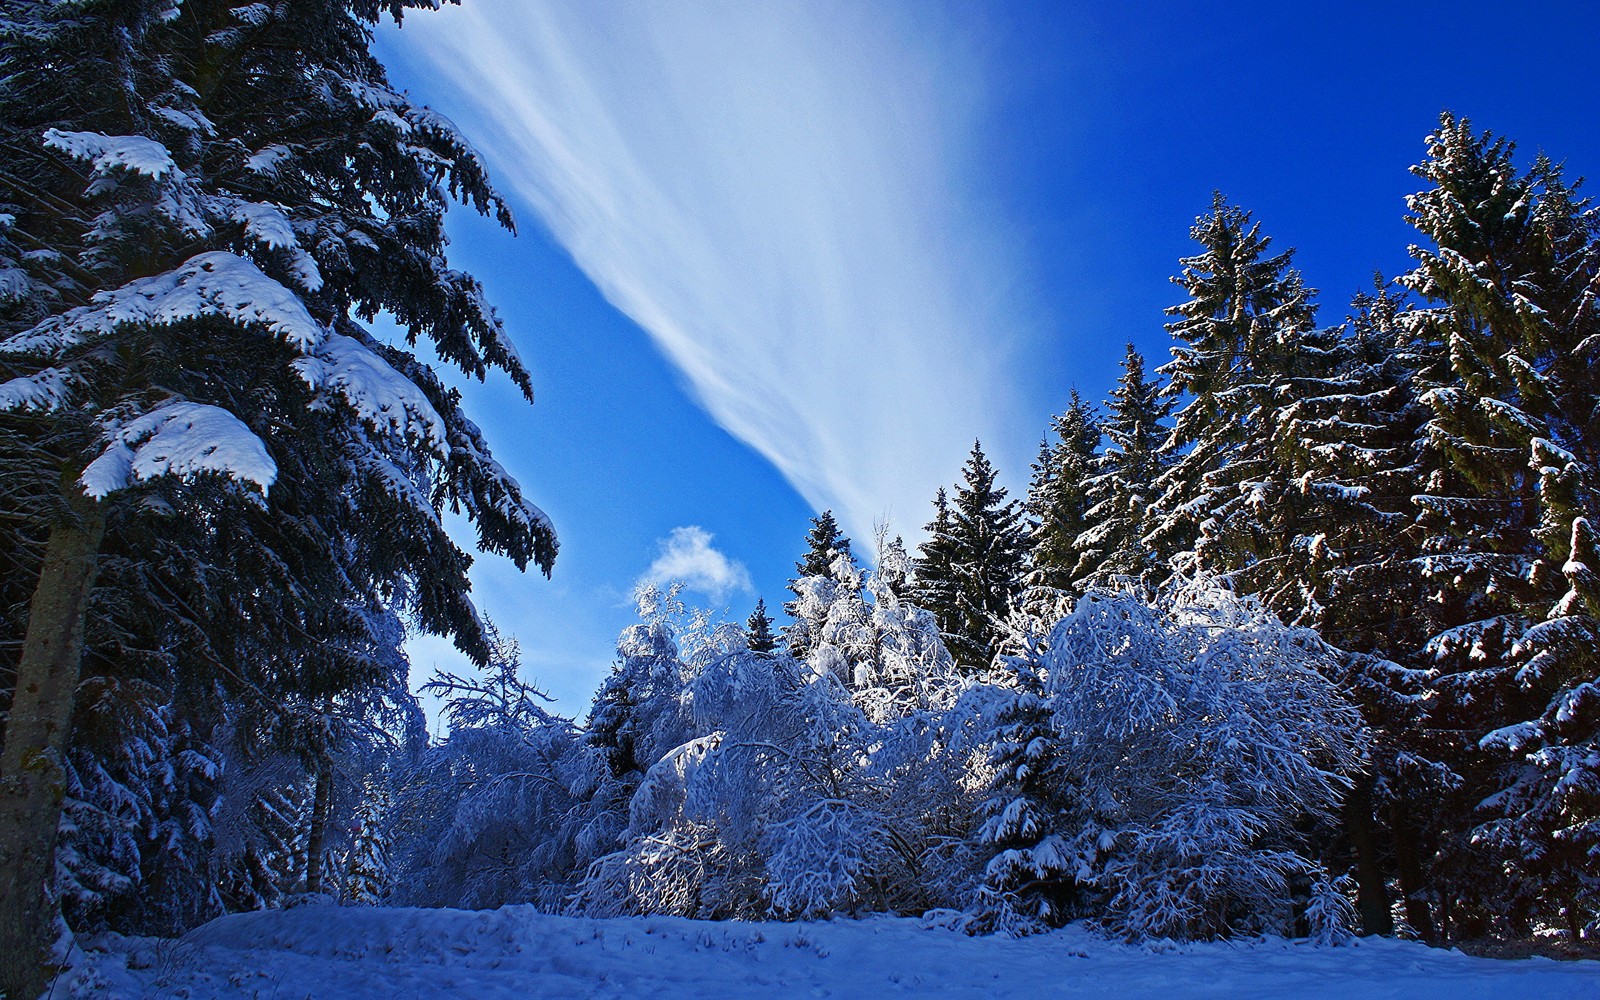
{"points": [[775, 257]]}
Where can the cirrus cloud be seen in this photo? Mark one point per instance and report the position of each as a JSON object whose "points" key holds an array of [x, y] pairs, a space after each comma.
{"points": [[781, 195]]}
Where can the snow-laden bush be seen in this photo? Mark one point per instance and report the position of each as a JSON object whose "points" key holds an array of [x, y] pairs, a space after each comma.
{"points": [[1157, 763], [509, 807], [803, 787]]}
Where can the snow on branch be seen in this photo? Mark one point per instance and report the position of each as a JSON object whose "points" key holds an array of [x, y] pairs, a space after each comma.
{"points": [[41, 392], [212, 284], [180, 439], [383, 398], [135, 153]]}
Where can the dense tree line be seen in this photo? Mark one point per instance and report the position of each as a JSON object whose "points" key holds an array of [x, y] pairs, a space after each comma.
{"points": [[1416, 483], [1296, 633]]}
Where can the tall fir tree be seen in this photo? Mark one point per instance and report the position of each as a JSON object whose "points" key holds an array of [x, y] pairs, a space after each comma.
{"points": [[825, 544], [204, 203], [1058, 499], [1512, 332], [1245, 329], [1113, 549], [972, 566]]}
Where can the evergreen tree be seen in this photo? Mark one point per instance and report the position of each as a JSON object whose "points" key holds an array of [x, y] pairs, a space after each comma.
{"points": [[933, 577], [208, 201], [824, 546], [1113, 546], [367, 876], [1244, 334], [1030, 882], [1058, 498], [1350, 440], [972, 565], [1353, 443], [1512, 331], [759, 628]]}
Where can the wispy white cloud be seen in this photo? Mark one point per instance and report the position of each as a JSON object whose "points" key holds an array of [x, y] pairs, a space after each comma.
{"points": [[778, 193], [687, 556]]}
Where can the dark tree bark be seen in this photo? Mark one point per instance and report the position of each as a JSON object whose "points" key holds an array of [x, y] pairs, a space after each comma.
{"points": [[1418, 914], [31, 775], [321, 806], [1372, 895]]}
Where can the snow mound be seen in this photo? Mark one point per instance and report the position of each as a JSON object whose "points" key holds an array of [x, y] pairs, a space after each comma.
{"points": [[355, 953]]}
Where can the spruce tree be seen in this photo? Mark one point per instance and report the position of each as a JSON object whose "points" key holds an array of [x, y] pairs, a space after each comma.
{"points": [[205, 203], [972, 565], [1058, 503], [1113, 546], [1244, 331], [759, 629], [1512, 336], [825, 544], [367, 875]]}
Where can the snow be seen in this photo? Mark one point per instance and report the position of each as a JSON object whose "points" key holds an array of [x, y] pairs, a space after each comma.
{"points": [[360, 953], [383, 398], [130, 152], [41, 392], [180, 439], [267, 161], [216, 283]]}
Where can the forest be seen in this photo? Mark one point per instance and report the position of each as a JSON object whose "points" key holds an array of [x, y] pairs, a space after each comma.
{"points": [[1296, 633]]}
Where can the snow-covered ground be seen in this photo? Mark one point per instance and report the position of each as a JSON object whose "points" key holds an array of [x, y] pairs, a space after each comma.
{"points": [[325, 952]]}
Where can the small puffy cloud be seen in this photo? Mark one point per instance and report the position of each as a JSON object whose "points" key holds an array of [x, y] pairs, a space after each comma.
{"points": [[687, 556]]}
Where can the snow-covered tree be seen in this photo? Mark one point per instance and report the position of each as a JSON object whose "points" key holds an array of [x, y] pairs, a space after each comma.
{"points": [[759, 626], [799, 788], [973, 563], [1057, 505], [825, 544], [1508, 276], [509, 807], [1245, 323], [1039, 853], [1113, 548], [1191, 738], [367, 877], [207, 203]]}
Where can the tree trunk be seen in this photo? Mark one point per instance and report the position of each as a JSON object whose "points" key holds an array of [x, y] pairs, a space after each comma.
{"points": [[31, 775], [1418, 914], [317, 836], [1372, 895]]}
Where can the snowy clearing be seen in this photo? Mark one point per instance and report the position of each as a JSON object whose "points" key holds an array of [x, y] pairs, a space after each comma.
{"points": [[387, 954]]}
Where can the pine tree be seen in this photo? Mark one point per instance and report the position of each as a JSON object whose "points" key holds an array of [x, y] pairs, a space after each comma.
{"points": [[1510, 329], [972, 565], [1114, 550], [1058, 501], [367, 876], [825, 545], [933, 577], [759, 628], [1352, 442], [1244, 333], [209, 204], [1030, 882]]}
